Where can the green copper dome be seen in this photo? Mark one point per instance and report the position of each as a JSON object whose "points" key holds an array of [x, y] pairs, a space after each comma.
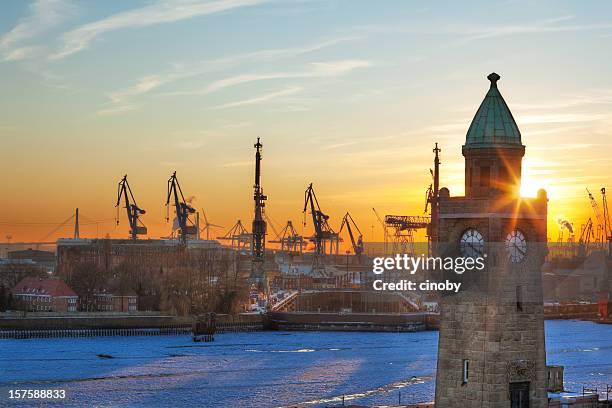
{"points": [[493, 124]]}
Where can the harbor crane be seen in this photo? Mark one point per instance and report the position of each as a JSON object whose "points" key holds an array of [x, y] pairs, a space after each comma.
{"points": [[358, 243], [323, 231], [289, 239], [131, 208], [238, 236], [182, 208]]}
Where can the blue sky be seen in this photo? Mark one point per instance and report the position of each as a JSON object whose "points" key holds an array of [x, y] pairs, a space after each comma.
{"points": [[348, 94]]}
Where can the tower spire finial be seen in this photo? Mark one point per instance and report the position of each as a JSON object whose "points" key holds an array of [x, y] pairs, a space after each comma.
{"points": [[493, 77]]}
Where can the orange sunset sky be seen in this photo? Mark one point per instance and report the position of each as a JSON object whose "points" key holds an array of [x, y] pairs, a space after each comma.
{"points": [[348, 95]]}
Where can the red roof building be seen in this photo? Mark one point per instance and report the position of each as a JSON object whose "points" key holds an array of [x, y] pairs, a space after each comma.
{"points": [[44, 295]]}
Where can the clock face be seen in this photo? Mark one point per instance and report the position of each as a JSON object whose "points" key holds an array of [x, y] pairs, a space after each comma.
{"points": [[472, 244], [516, 244]]}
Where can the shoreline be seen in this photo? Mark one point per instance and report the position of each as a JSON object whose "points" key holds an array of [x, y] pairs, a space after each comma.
{"points": [[83, 324]]}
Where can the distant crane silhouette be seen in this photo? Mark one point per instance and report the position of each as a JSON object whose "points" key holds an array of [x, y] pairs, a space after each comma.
{"points": [[132, 209]]}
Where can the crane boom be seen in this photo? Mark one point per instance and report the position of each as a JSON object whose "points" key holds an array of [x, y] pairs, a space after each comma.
{"points": [[131, 208], [378, 217], [596, 209]]}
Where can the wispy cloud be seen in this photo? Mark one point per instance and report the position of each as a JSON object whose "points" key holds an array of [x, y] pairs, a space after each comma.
{"points": [[553, 25], [565, 146], [237, 164], [166, 11], [178, 72], [595, 97], [262, 98], [339, 145], [190, 144], [476, 31], [317, 70], [44, 15], [116, 110], [560, 118]]}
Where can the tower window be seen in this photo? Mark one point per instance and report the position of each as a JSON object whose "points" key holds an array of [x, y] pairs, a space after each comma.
{"points": [[485, 176], [466, 371]]}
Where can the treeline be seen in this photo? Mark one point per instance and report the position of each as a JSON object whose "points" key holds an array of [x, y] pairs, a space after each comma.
{"points": [[192, 282], [7, 302]]}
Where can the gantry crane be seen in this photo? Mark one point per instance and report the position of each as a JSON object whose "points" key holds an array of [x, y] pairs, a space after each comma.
{"points": [[289, 239], [404, 227], [131, 208], [182, 208], [238, 236], [357, 244]]}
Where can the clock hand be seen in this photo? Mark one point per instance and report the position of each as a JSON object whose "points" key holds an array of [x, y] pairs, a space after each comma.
{"points": [[474, 248]]}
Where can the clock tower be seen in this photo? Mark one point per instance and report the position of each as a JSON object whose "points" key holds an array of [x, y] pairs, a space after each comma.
{"points": [[491, 350]]}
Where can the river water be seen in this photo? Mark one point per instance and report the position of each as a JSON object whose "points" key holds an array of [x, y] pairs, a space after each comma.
{"points": [[265, 369]]}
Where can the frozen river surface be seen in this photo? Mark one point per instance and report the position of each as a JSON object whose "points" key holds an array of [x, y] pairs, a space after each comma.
{"points": [[265, 369]]}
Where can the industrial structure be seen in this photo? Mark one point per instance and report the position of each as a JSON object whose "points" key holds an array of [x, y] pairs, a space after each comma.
{"points": [[258, 245], [183, 210], [237, 236], [289, 239], [131, 207], [325, 239], [356, 243]]}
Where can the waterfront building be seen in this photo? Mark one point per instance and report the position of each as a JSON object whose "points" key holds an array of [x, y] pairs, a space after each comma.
{"points": [[44, 295]]}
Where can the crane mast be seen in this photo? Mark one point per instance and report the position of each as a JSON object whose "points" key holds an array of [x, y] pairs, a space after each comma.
{"points": [[606, 220], [183, 210], [131, 208]]}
